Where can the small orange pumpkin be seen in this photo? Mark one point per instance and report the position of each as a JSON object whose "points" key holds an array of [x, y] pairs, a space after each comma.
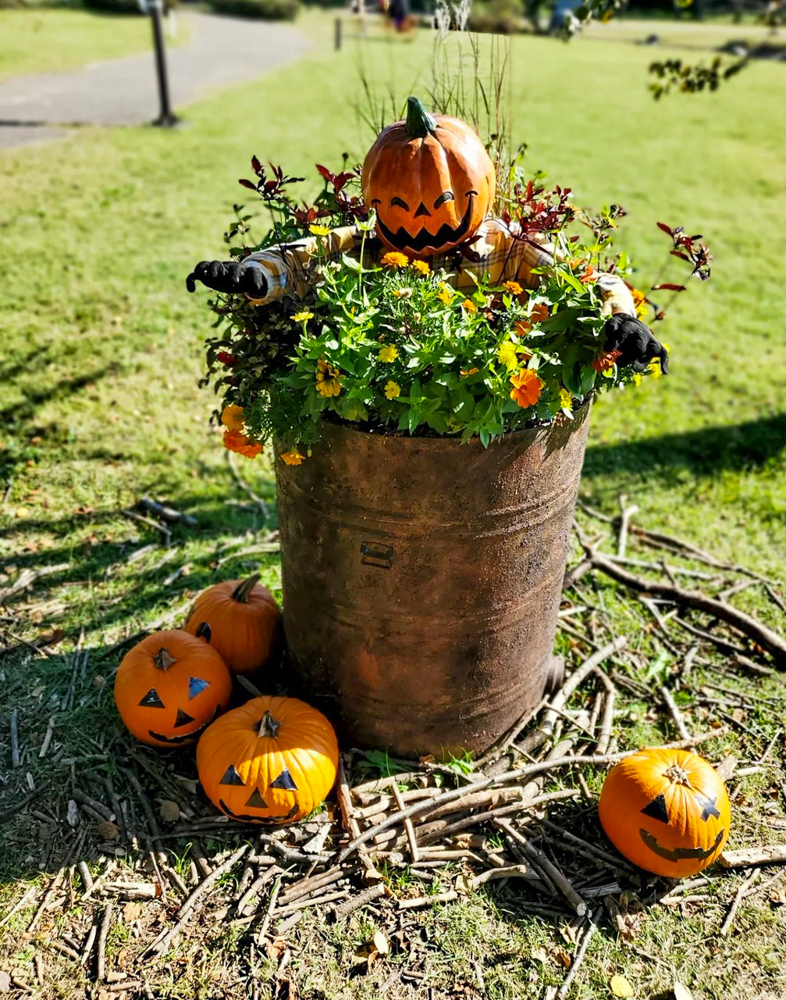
{"points": [[273, 760], [430, 180], [170, 687], [666, 810], [240, 619]]}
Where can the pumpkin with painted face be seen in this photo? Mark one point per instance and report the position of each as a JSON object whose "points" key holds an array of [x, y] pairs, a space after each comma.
{"points": [[273, 760], [430, 180], [170, 687], [666, 810]]}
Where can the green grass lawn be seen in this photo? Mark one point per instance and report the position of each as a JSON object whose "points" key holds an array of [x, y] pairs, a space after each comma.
{"points": [[101, 351], [47, 40]]}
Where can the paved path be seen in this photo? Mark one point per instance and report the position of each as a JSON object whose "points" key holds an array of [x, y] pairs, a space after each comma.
{"points": [[222, 50]]}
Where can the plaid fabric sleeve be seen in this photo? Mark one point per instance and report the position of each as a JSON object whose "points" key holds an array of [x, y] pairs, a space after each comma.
{"points": [[289, 267]]}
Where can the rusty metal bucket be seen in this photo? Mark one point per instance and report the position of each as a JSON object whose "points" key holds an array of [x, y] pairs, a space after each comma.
{"points": [[422, 579]]}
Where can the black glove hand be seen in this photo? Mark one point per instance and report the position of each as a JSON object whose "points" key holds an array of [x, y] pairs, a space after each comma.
{"points": [[635, 342], [229, 277]]}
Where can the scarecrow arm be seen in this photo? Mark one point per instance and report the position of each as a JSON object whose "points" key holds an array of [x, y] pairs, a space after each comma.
{"points": [[286, 269], [635, 342]]}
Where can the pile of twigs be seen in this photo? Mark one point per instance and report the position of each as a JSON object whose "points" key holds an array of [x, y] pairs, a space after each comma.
{"points": [[523, 814]]}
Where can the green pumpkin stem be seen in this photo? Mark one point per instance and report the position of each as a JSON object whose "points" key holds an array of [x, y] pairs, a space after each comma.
{"points": [[163, 659], [268, 726], [242, 591], [419, 122]]}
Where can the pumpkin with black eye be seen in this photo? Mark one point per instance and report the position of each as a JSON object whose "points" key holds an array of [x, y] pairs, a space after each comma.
{"points": [[273, 760], [240, 619], [430, 180], [170, 687], [666, 810]]}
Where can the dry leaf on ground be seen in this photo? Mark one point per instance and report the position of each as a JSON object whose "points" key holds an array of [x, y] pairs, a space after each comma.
{"points": [[169, 811], [681, 992], [620, 987]]}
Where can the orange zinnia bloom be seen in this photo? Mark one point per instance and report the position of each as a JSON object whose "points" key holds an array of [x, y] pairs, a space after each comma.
{"points": [[527, 387], [232, 418], [241, 444], [522, 328], [540, 312], [589, 275], [605, 361]]}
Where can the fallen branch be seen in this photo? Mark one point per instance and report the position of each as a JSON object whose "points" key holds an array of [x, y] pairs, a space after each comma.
{"points": [[361, 899], [738, 898], [579, 957], [771, 854], [540, 861], [141, 519], [166, 513], [103, 933]]}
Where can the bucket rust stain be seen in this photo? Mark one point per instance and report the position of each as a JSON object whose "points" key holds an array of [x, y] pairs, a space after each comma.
{"points": [[422, 579]]}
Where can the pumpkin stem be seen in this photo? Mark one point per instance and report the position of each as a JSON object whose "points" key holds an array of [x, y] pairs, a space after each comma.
{"points": [[164, 659], [242, 591], [419, 122], [268, 726], [204, 631], [677, 775]]}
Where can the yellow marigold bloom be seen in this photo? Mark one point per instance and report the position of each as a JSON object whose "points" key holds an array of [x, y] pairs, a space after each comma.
{"points": [[513, 287], [640, 301], [637, 378], [392, 390], [422, 266], [292, 457], [319, 230], [445, 294], [301, 317], [328, 379], [388, 353], [395, 259], [507, 355], [655, 368], [232, 418], [565, 399], [233, 441], [469, 305]]}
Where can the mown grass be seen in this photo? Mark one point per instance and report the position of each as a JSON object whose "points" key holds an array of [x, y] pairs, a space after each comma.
{"points": [[47, 40], [99, 360]]}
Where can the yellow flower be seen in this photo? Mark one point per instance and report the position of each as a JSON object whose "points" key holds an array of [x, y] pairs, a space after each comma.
{"points": [[637, 378], [392, 390], [513, 287], [422, 266], [395, 259], [667, 346], [445, 294], [565, 399], [328, 379], [655, 368], [640, 301], [402, 293], [507, 355], [301, 317], [469, 305], [292, 457], [232, 418], [319, 230], [388, 353]]}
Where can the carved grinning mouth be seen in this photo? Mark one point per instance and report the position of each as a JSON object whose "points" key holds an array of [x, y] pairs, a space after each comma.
{"points": [[241, 818], [402, 240], [178, 740], [680, 853]]}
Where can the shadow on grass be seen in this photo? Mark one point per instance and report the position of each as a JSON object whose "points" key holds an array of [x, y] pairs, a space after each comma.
{"points": [[702, 453]]}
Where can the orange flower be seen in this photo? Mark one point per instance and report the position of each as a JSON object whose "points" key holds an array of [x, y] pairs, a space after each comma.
{"points": [[539, 313], [522, 328], [589, 275], [292, 457], [395, 259], [640, 301], [232, 418], [241, 444], [465, 373], [605, 361], [527, 387], [469, 305], [513, 287]]}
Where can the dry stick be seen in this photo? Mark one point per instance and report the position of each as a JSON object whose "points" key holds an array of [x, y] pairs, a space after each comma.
{"points": [[509, 738], [88, 948], [102, 936], [772, 854], [93, 804], [260, 936], [607, 720], [361, 899], [350, 823], [22, 901], [260, 503], [439, 897], [580, 955], [166, 938], [726, 926], [775, 597], [16, 759], [307, 885], [538, 767], [560, 699], [166, 513], [152, 834], [626, 513], [50, 730], [617, 863], [74, 849], [675, 713], [543, 863], [408, 827], [755, 630], [301, 904]]}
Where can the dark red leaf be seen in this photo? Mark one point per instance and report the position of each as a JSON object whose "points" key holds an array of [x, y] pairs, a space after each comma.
{"points": [[668, 287], [665, 228], [256, 166], [325, 172], [680, 254], [248, 184]]}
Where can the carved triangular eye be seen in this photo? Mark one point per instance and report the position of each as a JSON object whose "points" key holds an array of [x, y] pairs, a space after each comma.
{"points": [[707, 805], [256, 800], [182, 719], [151, 699], [657, 809], [196, 686], [231, 777], [284, 780]]}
